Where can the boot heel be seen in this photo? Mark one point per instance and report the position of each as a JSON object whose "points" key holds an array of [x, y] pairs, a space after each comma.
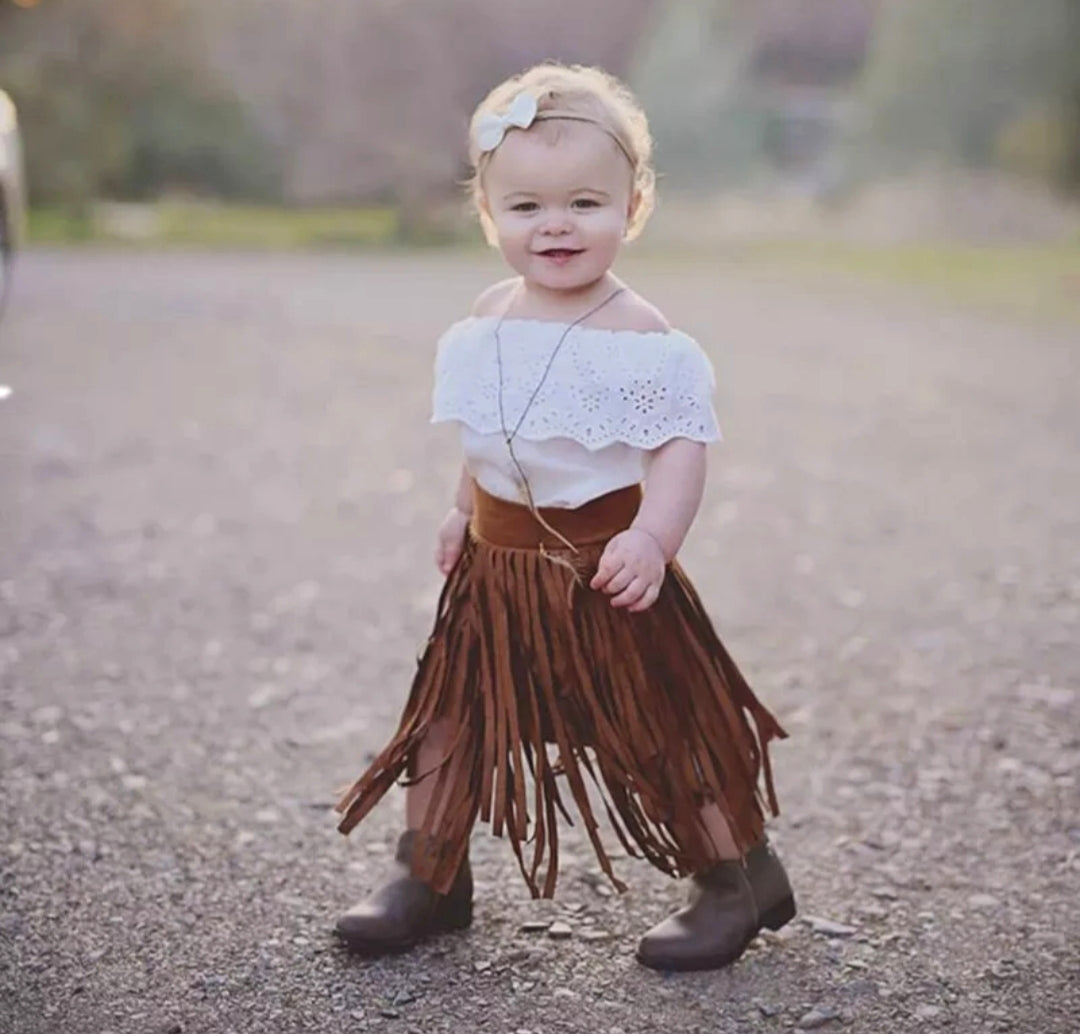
{"points": [[780, 914], [455, 916]]}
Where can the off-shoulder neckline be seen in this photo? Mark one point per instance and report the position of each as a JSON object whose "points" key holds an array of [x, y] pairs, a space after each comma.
{"points": [[534, 321]]}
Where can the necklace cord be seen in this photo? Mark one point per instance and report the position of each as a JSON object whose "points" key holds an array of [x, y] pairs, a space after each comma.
{"points": [[508, 436]]}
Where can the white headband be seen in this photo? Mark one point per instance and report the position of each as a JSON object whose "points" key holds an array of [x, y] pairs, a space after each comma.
{"points": [[521, 114]]}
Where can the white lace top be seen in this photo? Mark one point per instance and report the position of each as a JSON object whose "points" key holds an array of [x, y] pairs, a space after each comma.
{"points": [[610, 398]]}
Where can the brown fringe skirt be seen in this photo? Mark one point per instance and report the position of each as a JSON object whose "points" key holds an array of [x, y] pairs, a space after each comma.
{"points": [[525, 656]]}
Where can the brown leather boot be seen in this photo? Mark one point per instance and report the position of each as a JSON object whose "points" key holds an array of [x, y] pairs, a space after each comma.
{"points": [[405, 910], [772, 890], [728, 904]]}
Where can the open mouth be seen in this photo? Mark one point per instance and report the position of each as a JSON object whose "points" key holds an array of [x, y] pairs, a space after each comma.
{"points": [[559, 254]]}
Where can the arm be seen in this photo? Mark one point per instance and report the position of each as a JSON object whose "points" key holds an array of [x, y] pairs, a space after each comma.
{"points": [[463, 497], [634, 562], [674, 486], [450, 538]]}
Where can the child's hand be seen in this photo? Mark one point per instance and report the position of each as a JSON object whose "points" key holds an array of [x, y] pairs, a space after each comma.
{"points": [[450, 539], [631, 570]]}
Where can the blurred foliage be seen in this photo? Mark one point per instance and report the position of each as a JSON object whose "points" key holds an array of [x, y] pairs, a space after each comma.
{"points": [[1038, 143], [113, 103], [335, 102], [975, 83], [220, 225], [693, 76]]}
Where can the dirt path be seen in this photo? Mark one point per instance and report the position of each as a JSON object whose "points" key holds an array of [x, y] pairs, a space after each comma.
{"points": [[219, 494]]}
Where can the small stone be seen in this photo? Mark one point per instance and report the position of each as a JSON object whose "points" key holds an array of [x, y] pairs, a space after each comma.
{"points": [[928, 1012], [852, 598], [982, 901], [48, 715], [885, 894], [829, 927], [817, 1017], [595, 935], [560, 931], [267, 816], [767, 1010], [874, 912], [259, 698], [535, 925], [482, 966], [389, 1014]]}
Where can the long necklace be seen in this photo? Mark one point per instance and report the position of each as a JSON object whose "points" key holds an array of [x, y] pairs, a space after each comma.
{"points": [[508, 435]]}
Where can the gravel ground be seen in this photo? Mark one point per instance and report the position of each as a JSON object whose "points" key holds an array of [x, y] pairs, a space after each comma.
{"points": [[219, 498]]}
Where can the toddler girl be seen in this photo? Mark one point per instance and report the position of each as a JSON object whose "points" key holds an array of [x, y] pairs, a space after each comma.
{"points": [[569, 647]]}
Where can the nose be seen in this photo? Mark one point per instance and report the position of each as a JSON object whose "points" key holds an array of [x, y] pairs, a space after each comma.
{"points": [[556, 223]]}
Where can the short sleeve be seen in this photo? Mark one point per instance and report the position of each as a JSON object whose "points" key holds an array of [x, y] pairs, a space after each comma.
{"points": [[689, 382]]}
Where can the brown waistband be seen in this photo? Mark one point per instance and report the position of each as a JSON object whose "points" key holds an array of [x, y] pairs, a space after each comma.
{"points": [[501, 523]]}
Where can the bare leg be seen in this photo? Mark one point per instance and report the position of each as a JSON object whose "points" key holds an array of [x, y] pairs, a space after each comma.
{"points": [[406, 908], [431, 752], [719, 833]]}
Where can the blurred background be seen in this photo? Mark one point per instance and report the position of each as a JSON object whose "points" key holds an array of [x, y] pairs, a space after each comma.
{"points": [[331, 122]]}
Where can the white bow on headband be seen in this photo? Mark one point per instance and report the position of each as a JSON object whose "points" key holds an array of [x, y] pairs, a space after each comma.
{"points": [[491, 129]]}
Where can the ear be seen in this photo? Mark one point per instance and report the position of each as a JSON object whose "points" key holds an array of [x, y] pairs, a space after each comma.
{"points": [[483, 209], [632, 208], [487, 224]]}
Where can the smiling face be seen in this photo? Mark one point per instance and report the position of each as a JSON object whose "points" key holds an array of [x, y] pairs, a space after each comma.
{"points": [[559, 196]]}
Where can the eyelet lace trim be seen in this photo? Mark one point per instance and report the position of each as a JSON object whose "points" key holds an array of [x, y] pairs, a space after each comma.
{"points": [[605, 386]]}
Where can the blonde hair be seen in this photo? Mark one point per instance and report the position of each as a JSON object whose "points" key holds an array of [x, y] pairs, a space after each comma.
{"points": [[594, 96]]}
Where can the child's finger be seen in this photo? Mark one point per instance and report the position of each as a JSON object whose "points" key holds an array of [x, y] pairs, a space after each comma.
{"points": [[619, 580], [605, 571], [648, 598], [631, 594], [451, 558], [446, 557]]}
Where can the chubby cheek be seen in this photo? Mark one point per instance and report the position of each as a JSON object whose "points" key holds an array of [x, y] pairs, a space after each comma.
{"points": [[513, 243], [611, 224], [604, 242]]}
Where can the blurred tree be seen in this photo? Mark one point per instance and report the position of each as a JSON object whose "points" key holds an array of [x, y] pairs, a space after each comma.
{"points": [[975, 82], [371, 101], [115, 103], [693, 76]]}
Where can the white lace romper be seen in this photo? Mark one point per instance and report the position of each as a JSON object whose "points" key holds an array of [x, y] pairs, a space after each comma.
{"points": [[610, 398]]}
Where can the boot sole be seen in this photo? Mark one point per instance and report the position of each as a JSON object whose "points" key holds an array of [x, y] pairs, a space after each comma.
{"points": [[450, 922]]}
